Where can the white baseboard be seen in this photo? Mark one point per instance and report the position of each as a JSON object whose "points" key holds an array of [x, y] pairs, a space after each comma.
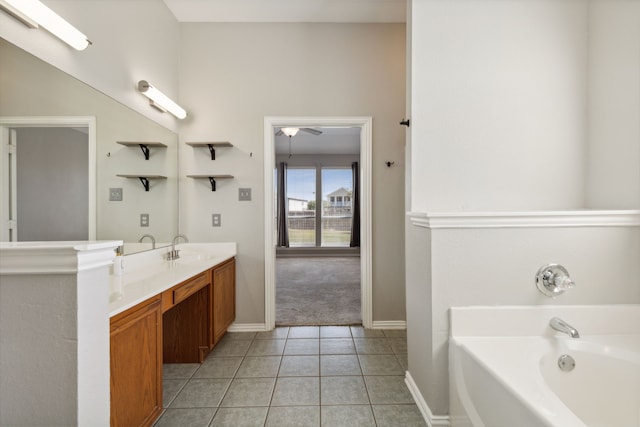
{"points": [[389, 324], [430, 419], [261, 327], [248, 327]]}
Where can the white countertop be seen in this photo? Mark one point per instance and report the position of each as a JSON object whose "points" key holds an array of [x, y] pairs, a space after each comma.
{"points": [[149, 273]]}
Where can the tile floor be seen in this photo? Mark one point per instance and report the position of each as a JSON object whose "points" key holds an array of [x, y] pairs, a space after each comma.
{"points": [[295, 376]]}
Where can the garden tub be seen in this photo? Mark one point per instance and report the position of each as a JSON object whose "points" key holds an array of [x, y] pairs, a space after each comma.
{"points": [[506, 367]]}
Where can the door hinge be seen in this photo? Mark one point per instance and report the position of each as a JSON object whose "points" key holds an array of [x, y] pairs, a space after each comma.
{"points": [[12, 224]]}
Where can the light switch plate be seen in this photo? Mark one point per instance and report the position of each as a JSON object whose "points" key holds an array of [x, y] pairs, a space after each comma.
{"points": [[115, 194], [144, 220], [244, 194], [216, 220]]}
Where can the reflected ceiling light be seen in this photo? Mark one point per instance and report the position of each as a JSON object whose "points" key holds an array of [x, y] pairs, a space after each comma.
{"points": [[161, 101], [33, 14], [290, 131]]}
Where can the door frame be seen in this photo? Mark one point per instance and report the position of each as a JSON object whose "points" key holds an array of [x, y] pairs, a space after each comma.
{"points": [[8, 122], [270, 229]]}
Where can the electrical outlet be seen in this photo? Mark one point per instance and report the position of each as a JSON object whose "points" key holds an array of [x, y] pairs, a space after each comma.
{"points": [[144, 220], [115, 194], [244, 194], [216, 220]]}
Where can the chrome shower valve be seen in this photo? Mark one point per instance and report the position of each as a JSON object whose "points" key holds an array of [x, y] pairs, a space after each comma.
{"points": [[553, 280]]}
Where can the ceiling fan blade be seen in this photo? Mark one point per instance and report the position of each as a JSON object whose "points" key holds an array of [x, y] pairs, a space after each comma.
{"points": [[311, 131], [279, 133]]}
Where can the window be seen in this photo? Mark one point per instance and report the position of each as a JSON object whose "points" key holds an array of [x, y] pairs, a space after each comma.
{"points": [[319, 203], [336, 214], [301, 200]]}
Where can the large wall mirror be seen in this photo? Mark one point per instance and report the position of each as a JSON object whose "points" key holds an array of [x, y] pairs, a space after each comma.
{"points": [[74, 170]]}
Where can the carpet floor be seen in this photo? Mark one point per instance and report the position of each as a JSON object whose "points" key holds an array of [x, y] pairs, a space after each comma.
{"points": [[318, 291]]}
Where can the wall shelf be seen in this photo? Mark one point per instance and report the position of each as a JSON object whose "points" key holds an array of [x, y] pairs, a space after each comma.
{"points": [[144, 179], [212, 179], [212, 146], [144, 146]]}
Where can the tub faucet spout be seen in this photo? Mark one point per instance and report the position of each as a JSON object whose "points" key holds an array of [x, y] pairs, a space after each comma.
{"points": [[561, 326]]}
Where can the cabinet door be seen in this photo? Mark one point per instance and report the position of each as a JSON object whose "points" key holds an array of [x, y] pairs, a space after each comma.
{"points": [[136, 365], [224, 298]]}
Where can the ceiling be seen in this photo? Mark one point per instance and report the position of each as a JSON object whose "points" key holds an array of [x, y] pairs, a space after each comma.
{"points": [[333, 141], [336, 11]]}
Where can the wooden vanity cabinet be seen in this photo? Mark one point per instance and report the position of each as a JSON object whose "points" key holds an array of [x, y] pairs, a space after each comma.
{"points": [[185, 320], [179, 325], [223, 299], [136, 364]]}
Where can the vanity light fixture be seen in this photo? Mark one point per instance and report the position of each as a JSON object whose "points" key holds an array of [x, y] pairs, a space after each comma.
{"points": [[34, 14], [160, 101], [290, 131]]}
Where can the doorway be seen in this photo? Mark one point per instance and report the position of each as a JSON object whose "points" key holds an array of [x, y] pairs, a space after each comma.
{"points": [[363, 127], [47, 186], [318, 252]]}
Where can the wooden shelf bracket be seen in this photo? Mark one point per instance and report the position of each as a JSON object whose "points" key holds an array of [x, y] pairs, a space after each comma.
{"points": [[144, 179], [144, 146], [145, 182], [211, 145], [145, 151], [212, 179]]}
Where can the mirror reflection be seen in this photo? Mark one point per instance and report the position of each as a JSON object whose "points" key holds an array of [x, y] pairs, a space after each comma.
{"points": [[77, 161]]}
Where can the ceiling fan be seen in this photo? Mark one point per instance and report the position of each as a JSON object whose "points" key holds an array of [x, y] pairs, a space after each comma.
{"points": [[292, 131]]}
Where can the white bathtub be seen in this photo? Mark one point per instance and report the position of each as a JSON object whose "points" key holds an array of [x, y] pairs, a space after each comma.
{"points": [[503, 367]]}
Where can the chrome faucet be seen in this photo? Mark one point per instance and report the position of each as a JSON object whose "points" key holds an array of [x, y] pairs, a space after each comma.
{"points": [[153, 240], [561, 326], [175, 253]]}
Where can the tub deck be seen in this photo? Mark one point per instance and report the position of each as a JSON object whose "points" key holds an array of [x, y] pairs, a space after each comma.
{"points": [[512, 378]]}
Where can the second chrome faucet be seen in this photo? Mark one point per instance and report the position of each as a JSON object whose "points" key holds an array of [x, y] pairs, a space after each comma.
{"points": [[153, 240], [175, 253]]}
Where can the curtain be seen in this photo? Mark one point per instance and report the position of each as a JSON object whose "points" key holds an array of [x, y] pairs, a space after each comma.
{"points": [[283, 208], [355, 207]]}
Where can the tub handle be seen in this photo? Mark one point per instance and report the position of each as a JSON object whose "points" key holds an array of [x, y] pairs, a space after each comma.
{"points": [[553, 280]]}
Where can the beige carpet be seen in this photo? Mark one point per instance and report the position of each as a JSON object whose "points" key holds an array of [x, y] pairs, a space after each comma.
{"points": [[318, 291]]}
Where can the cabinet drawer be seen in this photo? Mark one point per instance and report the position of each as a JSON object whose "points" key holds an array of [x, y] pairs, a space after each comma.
{"points": [[190, 287]]}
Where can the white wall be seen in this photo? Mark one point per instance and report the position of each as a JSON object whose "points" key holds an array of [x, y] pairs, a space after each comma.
{"points": [[233, 75], [497, 266], [498, 104], [54, 333], [57, 370], [613, 178], [132, 41], [514, 108], [54, 352]]}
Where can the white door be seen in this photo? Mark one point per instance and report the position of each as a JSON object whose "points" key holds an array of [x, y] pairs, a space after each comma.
{"points": [[8, 212]]}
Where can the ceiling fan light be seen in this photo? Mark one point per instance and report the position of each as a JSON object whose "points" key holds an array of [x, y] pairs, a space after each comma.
{"points": [[290, 131]]}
